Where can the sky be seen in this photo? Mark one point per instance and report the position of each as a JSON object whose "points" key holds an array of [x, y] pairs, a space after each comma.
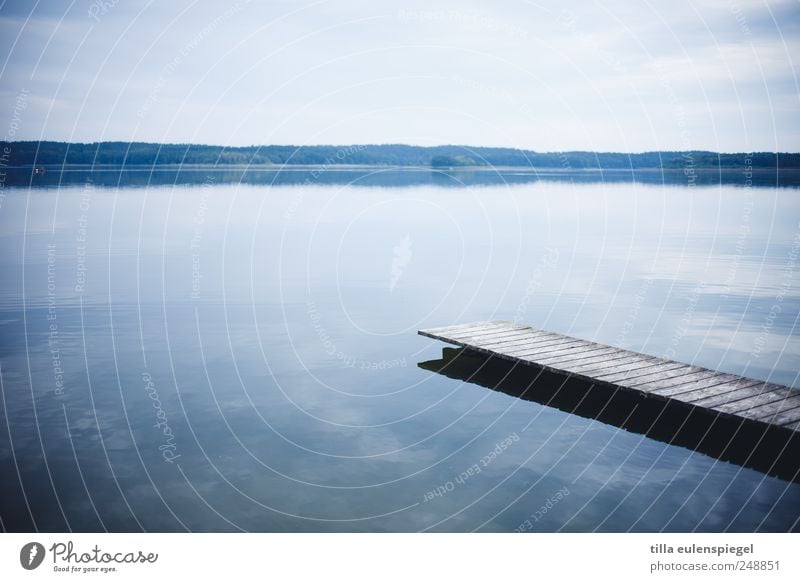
{"points": [[608, 75]]}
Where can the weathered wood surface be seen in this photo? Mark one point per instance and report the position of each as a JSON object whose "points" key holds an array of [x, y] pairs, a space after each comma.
{"points": [[716, 392]]}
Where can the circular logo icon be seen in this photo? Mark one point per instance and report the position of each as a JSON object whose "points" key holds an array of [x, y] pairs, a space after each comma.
{"points": [[31, 555]]}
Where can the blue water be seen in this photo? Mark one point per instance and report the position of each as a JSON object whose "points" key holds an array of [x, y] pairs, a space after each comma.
{"points": [[224, 356]]}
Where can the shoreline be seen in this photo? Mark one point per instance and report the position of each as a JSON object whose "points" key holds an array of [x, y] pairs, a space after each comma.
{"points": [[350, 167]]}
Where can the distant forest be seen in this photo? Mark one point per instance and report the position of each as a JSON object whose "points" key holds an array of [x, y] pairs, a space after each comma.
{"points": [[49, 153]]}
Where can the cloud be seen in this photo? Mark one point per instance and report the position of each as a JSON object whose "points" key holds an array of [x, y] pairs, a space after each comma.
{"points": [[547, 76]]}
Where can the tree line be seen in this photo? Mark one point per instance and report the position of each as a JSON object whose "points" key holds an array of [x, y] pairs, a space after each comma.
{"points": [[49, 153]]}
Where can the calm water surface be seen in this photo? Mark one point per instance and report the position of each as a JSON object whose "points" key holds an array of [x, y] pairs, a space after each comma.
{"points": [[224, 356]]}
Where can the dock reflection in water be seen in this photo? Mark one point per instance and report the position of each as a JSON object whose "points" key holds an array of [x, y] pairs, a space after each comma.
{"points": [[772, 451]]}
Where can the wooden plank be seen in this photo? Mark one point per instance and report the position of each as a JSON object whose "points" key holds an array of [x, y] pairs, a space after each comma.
{"points": [[586, 344], [506, 334], [716, 392], [487, 331], [532, 339], [747, 405], [503, 345], [578, 353], [739, 394], [547, 347], [651, 371], [694, 385], [547, 353], [621, 364], [682, 372], [780, 412], [610, 363], [449, 329], [574, 353], [667, 381], [726, 386], [588, 358], [461, 339], [783, 417], [506, 342], [553, 339]]}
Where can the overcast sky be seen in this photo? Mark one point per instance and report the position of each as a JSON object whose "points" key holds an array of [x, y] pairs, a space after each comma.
{"points": [[611, 75]]}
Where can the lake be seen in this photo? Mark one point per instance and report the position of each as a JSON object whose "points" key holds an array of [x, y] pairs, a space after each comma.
{"points": [[212, 350]]}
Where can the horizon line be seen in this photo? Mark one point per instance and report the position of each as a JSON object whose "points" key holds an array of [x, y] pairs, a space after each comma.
{"points": [[387, 144]]}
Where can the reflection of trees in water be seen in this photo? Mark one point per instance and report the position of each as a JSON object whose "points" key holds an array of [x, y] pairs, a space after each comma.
{"points": [[385, 177]]}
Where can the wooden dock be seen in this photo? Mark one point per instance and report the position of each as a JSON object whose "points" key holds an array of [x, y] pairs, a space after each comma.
{"points": [[728, 395]]}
